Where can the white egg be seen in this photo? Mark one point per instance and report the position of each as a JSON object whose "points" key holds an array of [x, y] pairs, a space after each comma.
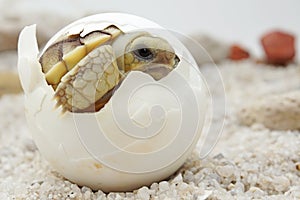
{"points": [[142, 135]]}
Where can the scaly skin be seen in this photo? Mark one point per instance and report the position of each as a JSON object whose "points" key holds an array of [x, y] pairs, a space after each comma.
{"points": [[87, 82]]}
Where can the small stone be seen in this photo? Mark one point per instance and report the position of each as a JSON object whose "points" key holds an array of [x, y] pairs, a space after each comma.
{"points": [[143, 193], [225, 171], [86, 189], [239, 187], [204, 196], [118, 197], [100, 196], [154, 186], [237, 52], [220, 194], [67, 189], [75, 188], [163, 186], [183, 186], [87, 195], [279, 47], [188, 176], [281, 183], [294, 192], [50, 196], [198, 178], [112, 195], [177, 179], [129, 195], [255, 192]]}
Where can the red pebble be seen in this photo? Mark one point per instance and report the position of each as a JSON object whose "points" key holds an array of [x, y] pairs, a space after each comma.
{"points": [[238, 53], [279, 47]]}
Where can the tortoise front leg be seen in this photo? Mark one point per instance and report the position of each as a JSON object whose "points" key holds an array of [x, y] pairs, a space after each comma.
{"points": [[94, 76]]}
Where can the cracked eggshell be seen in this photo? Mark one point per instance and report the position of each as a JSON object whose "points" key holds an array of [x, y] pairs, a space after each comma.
{"points": [[142, 135]]}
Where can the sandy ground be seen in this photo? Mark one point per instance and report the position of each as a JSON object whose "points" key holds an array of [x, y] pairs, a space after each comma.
{"points": [[247, 163]]}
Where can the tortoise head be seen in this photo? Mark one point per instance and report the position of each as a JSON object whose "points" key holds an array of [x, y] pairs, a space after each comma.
{"points": [[149, 54]]}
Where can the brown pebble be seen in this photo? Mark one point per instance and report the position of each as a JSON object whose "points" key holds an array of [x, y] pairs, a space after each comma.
{"points": [[279, 47], [236, 52]]}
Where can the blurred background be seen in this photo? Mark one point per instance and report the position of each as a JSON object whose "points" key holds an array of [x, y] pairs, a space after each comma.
{"points": [[232, 20]]}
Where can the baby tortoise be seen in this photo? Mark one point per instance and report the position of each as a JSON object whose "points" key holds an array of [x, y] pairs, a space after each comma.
{"points": [[85, 70]]}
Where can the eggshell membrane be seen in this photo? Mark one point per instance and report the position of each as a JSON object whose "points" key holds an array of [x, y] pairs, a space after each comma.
{"points": [[142, 135]]}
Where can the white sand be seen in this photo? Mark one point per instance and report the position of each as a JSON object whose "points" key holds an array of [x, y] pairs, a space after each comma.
{"points": [[247, 163]]}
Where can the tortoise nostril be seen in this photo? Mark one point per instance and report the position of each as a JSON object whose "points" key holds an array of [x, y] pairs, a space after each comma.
{"points": [[162, 58]]}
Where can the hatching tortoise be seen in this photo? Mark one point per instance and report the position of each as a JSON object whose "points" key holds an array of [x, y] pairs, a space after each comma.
{"points": [[85, 70]]}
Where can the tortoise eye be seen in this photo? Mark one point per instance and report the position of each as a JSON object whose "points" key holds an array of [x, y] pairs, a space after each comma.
{"points": [[144, 53]]}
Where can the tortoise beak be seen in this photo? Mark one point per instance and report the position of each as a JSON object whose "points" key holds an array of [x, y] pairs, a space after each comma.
{"points": [[156, 70], [159, 70]]}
